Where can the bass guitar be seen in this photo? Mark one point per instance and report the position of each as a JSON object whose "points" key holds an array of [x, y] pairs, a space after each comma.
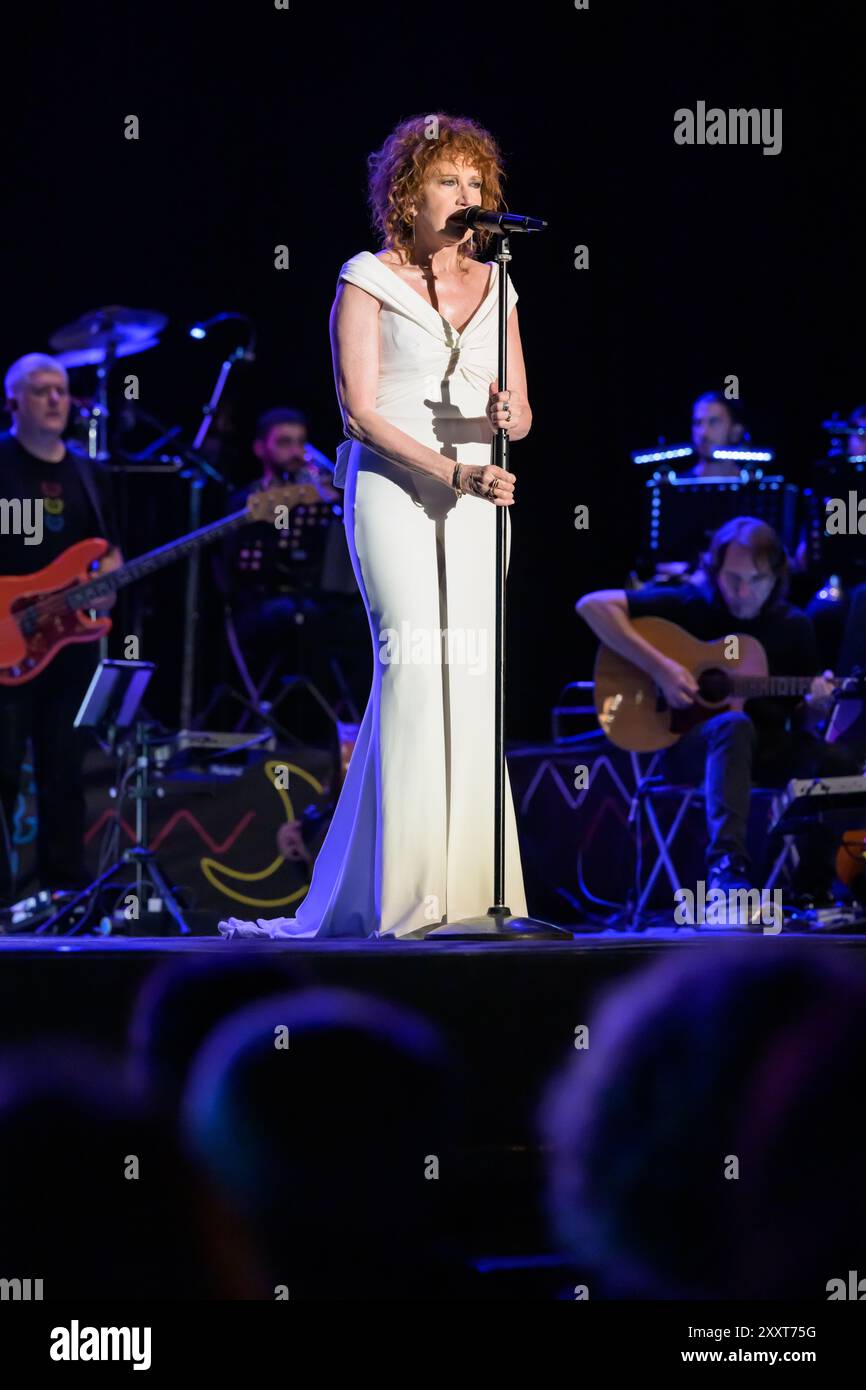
{"points": [[44, 611]]}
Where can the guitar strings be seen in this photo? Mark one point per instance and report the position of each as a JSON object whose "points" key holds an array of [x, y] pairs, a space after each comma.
{"points": [[56, 603]]}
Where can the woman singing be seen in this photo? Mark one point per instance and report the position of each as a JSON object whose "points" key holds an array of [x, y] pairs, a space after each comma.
{"points": [[414, 339]]}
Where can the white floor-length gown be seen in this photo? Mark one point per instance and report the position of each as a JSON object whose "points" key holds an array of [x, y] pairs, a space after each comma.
{"points": [[411, 839]]}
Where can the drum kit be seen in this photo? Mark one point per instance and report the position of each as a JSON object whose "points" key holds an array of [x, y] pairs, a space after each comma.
{"points": [[101, 339]]}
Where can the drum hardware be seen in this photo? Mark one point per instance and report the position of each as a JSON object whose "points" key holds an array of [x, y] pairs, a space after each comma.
{"points": [[110, 709], [98, 339], [243, 353]]}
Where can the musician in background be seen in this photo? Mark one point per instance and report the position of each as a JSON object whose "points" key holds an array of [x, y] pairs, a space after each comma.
{"points": [[283, 449], [852, 653], [772, 740], [837, 611], [717, 423], [857, 437], [266, 594], [36, 464], [253, 567]]}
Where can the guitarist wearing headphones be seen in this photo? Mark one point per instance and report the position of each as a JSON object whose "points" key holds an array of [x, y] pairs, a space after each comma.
{"points": [[37, 467], [772, 739]]}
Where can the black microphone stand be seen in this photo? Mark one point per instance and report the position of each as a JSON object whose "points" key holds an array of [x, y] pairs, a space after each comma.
{"points": [[498, 922], [245, 353]]}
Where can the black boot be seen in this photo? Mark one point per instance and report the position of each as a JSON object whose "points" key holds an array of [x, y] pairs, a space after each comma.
{"points": [[732, 874], [730, 871]]}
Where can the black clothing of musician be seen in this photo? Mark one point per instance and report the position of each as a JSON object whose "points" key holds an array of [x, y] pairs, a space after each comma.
{"points": [[765, 745], [77, 504]]}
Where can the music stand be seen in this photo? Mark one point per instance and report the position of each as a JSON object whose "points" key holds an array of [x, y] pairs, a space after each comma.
{"points": [[112, 698], [848, 718], [109, 708]]}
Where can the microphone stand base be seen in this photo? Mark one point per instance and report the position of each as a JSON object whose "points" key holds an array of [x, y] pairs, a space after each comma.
{"points": [[493, 926]]}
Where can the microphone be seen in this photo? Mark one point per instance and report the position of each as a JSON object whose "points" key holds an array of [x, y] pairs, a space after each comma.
{"points": [[501, 223], [200, 331]]}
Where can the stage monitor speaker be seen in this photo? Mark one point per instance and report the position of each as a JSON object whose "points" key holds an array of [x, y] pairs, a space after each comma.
{"points": [[225, 833]]}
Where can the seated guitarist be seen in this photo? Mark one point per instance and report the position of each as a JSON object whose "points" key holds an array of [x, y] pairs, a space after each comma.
{"points": [[772, 740], [37, 465]]}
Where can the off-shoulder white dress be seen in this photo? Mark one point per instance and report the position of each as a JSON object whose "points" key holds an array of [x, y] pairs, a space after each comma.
{"points": [[411, 839]]}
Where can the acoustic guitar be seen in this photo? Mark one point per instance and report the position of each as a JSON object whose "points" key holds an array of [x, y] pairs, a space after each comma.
{"points": [[44, 611], [635, 715]]}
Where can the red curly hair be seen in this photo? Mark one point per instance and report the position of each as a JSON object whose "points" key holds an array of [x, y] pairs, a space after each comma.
{"points": [[397, 171]]}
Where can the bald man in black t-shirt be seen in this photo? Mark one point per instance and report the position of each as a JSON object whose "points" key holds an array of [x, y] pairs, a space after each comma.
{"points": [[37, 466]]}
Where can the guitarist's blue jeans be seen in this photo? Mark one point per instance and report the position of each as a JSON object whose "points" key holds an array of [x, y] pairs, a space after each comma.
{"points": [[718, 754], [728, 757]]}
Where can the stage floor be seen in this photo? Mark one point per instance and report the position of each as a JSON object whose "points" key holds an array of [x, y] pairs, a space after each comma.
{"points": [[586, 940]]}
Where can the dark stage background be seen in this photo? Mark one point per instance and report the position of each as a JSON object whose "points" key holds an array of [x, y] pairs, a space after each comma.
{"points": [[255, 124]]}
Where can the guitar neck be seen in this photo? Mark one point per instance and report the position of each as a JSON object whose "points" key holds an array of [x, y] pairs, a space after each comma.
{"points": [[84, 594], [752, 687]]}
